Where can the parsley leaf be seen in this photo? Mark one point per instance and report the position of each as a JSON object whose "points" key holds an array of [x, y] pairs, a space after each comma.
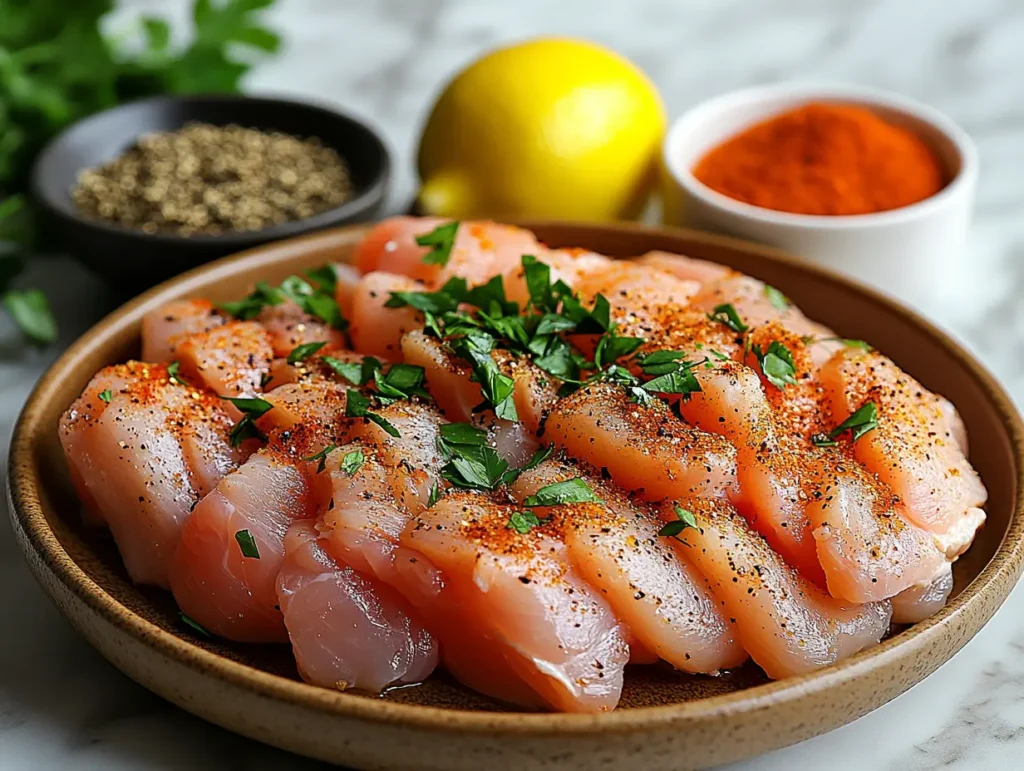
{"points": [[247, 544], [441, 240], [402, 381], [352, 462], [172, 372], [435, 495], [859, 423], [357, 373], [106, 396], [776, 298], [569, 491], [304, 351], [612, 347], [684, 519], [357, 406], [252, 408], [194, 625], [726, 314], [524, 521], [776, 364], [322, 457], [325, 277]]}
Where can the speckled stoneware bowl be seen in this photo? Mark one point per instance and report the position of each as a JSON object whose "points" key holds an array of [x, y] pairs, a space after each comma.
{"points": [[666, 720]]}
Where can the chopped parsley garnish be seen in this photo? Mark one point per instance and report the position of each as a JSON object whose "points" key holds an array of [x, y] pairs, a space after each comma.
{"points": [[358, 406], [859, 423], [524, 521], [325, 277], [251, 408], [106, 396], [569, 491], [673, 374], [302, 352], [265, 380], [496, 388], [247, 544], [318, 302], [726, 314], [441, 240], [192, 624], [401, 381], [435, 495], [462, 433], [684, 519], [322, 457], [172, 372], [475, 467], [357, 373], [776, 364], [611, 347], [352, 462], [776, 298], [250, 307]]}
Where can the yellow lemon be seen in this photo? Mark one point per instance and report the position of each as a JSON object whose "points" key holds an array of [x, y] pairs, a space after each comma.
{"points": [[551, 127]]}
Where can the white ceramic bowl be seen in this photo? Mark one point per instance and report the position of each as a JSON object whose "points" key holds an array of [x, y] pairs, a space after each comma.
{"points": [[911, 252]]}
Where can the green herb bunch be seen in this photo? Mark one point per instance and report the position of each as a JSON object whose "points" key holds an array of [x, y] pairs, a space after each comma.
{"points": [[57, 66]]}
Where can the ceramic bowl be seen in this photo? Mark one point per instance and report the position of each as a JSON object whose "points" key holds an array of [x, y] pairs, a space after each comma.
{"points": [[667, 720], [131, 260], [911, 252]]}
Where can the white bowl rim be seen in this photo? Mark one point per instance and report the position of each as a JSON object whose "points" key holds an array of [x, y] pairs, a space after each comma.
{"points": [[962, 182]]}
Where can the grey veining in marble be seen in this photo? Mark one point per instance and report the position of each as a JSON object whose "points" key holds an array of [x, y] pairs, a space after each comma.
{"points": [[62, 706]]}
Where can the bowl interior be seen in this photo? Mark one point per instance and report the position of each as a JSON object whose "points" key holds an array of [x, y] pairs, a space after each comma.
{"points": [[103, 137], [47, 504]]}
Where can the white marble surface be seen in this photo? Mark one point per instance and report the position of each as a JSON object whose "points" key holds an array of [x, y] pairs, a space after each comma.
{"points": [[62, 706]]}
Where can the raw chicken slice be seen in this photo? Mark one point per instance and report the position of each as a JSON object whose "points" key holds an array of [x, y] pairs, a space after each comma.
{"points": [[686, 268], [347, 630], [925, 599], [770, 469], [628, 285], [289, 326], [317, 407], [144, 447], [644, 449], [757, 305], [616, 548], [413, 458], [231, 360], [913, 448], [866, 544], [510, 611], [230, 594], [375, 329], [481, 250], [167, 326], [787, 625]]}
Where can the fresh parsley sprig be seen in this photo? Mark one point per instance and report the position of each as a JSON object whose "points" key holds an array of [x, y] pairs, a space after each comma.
{"points": [[859, 423], [684, 520], [252, 408]]}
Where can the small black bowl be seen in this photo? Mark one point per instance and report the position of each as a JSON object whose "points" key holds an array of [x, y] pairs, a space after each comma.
{"points": [[133, 260]]}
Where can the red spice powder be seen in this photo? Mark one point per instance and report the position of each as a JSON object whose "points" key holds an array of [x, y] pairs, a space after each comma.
{"points": [[824, 159]]}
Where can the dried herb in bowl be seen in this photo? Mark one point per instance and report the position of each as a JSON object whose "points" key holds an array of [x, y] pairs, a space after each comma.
{"points": [[205, 179]]}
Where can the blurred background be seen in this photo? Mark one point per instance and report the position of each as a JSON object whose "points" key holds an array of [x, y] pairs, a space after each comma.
{"points": [[386, 61]]}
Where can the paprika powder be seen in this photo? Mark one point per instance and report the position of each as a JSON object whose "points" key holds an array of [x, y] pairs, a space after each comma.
{"points": [[826, 159]]}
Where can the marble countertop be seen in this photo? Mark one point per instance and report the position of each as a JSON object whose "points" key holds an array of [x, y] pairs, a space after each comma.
{"points": [[61, 705]]}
